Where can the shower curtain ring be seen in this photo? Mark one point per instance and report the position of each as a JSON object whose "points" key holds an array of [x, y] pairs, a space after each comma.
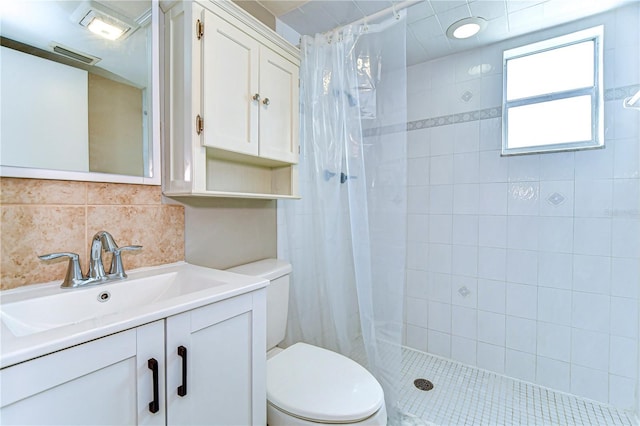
{"points": [[395, 12]]}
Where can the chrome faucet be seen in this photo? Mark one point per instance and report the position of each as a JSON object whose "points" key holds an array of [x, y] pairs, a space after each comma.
{"points": [[101, 241]]}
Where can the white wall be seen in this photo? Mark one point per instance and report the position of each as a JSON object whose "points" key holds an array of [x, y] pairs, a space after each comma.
{"points": [[526, 265], [44, 113]]}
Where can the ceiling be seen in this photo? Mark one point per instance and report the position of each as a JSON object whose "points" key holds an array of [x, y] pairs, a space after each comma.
{"points": [[428, 20]]}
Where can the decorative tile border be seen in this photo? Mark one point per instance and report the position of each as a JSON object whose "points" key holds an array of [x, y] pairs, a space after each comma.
{"points": [[617, 93]]}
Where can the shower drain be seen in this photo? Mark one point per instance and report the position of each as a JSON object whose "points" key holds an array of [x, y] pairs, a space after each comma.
{"points": [[423, 384]]}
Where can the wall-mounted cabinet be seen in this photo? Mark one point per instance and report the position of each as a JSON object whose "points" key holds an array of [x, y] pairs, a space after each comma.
{"points": [[231, 105]]}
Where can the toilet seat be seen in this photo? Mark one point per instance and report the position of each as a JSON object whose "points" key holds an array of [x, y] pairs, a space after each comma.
{"points": [[322, 386]]}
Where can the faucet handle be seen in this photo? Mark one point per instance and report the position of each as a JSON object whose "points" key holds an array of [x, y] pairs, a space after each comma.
{"points": [[117, 270], [74, 275]]}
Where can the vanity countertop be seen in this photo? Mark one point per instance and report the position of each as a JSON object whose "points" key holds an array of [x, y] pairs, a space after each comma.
{"points": [[43, 318]]}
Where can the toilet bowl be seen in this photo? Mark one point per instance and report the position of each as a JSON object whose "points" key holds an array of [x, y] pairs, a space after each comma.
{"points": [[306, 384]]}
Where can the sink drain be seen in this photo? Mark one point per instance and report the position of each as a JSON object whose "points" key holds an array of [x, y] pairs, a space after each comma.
{"points": [[104, 296], [423, 384]]}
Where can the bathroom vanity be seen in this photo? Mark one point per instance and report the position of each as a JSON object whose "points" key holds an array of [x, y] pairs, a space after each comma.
{"points": [[177, 344]]}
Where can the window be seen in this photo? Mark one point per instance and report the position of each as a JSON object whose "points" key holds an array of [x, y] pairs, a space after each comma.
{"points": [[552, 95]]}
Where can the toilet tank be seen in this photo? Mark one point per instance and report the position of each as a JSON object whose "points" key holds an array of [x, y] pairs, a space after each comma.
{"points": [[277, 272]]}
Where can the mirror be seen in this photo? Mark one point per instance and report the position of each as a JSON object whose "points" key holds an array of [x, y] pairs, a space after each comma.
{"points": [[77, 105]]}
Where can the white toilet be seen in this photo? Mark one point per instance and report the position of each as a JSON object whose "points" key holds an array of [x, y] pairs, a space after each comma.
{"points": [[308, 385]]}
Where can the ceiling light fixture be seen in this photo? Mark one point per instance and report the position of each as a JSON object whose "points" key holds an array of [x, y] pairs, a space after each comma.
{"points": [[103, 21], [465, 28]]}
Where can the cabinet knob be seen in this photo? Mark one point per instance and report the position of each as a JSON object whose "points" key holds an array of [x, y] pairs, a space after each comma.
{"points": [[256, 97], [266, 101]]}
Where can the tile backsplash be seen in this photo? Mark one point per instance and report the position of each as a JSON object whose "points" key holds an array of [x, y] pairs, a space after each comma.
{"points": [[46, 216]]}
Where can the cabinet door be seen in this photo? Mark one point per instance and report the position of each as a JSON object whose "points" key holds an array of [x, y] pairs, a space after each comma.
{"points": [[229, 82], [225, 364], [278, 119], [106, 381]]}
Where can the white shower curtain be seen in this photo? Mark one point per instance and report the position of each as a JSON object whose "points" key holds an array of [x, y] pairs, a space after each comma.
{"points": [[346, 237]]}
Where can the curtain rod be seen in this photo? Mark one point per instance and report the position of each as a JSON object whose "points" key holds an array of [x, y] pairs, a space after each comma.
{"points": [[379, 14]]}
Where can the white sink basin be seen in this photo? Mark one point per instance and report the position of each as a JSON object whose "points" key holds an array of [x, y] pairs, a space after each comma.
{"points": [[34, 315]]}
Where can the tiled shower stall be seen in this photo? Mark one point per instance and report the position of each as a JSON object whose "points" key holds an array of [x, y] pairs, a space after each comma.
{"points": [[529, 265]]}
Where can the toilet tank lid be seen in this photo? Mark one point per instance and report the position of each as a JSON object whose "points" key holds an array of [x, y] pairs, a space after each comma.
{"points": [[270, 269]]}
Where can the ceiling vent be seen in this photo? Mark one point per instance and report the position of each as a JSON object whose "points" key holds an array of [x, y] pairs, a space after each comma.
{"points": [[74, 54]]}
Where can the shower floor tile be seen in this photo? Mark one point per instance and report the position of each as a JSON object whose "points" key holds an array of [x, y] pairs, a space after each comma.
{"points": [[464, 395]]}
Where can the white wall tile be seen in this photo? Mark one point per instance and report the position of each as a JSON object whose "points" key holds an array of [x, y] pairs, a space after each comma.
{"points": [[440, 317], [463, 350], [554, 341], [465, 260], [491, 328], [521, 334], [467, 135], [624, 317], [465, 198], [524, 198], [418, 171], [522, 300], [492, 167], [492, 296], [440, 199], [558, 166], [590, 311], [622, 244], [626, 198], [464, 291], [439, 287], [626, 121], [439, 343], [464, 322], [491, 134], [625, 276], [418, 228], [522, 266], [417, 199], [465, 167], [622, 392], [416, 337], [416, 284], [593, 197], [442, 138], [626, 160], [592, 274], [520, 365], [419, 143], [491, 357], [556, 198], [553, 373], [594, 163], [589, 383], [440, 228], [522, 232], [555, 270], [590, 349], [417, 255], [492, 231], [441, 170], [624, 357], [416, 312], [493, 199], [554, 306], [592, 236], [465, 229], [555, 234], [492, 263], [440, 258], [523, 168]]}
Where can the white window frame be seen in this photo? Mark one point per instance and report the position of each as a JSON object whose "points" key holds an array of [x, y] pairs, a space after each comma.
{"points": [[595, 92]]}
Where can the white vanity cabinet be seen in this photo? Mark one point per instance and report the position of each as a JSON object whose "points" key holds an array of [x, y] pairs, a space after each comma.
{"points": [[106, 381], [215, 354], [231, 104]]}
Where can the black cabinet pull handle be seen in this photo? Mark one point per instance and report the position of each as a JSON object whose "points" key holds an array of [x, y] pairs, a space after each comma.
{"points": [[154, 406], [182, 352]]}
